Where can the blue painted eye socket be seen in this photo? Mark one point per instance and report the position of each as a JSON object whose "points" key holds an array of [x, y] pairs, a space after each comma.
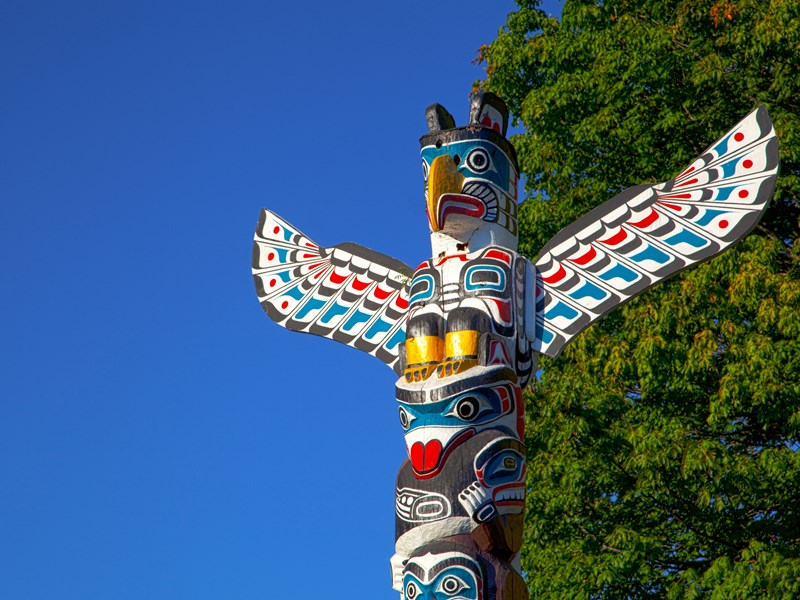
{"points": [[469, 407], [472, 408], [411, 590]]}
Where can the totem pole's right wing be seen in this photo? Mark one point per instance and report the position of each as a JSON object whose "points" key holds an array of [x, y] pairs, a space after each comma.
{"points": [[648, 233], [346, 293]]}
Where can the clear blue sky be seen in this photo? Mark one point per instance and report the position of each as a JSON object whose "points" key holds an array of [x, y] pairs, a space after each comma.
{"points": [[160, 438]]}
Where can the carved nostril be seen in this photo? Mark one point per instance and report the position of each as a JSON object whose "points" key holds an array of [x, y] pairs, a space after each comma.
{"points": [[456, 159]]}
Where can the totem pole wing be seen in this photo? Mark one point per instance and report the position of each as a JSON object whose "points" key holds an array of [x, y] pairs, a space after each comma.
{"points": [[346, 293], [648, 233]]}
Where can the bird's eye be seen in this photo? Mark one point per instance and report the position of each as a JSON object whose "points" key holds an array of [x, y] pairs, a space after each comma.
{"points": [[469, 408], [478, 160], [424, 170], [405, 418], [411, 591], [451, 585]]}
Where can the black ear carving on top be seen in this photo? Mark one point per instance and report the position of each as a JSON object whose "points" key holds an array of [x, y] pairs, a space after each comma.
{"points": [[489, 111], [438, 118]]}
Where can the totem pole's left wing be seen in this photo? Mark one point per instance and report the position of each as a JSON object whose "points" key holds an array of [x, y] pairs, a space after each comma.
{"points": [[346, 293], [648, 233]]}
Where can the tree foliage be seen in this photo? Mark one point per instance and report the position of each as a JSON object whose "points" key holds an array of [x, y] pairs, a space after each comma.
{"points": [[663, 445]]}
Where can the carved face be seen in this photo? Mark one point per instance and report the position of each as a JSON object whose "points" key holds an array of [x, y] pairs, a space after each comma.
{"points": [[456, 568], [434, 427], [500, 467], [446, 576], [470, 178], [467, 183]]}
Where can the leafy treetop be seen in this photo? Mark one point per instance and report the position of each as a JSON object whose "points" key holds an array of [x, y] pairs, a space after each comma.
{"points": [[663, 444]]}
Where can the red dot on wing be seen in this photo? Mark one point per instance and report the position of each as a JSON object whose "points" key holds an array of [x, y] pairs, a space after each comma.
{"points": [[743, 193], [271, 283], [271, 256], [747, 164], [723, 224], [738, 137], [276, 230], [285, 304]]}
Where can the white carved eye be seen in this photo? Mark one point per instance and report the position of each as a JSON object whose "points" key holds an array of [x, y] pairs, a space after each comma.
{"points": [[405, 418], [451, 585], [478, 160], [469, 408], [424, 170]]}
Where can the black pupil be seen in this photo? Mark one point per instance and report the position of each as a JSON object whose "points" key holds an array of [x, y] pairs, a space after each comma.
{"points": [[467, 408], [411, 591], [479, 159], [450, 585], [403, 419]]}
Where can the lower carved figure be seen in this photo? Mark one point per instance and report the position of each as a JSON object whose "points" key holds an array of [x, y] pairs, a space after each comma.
{"points": [[465, 474], [456, 568]]}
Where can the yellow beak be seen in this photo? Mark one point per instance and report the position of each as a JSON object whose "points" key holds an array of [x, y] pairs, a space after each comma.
{"points": [[443, 178]]}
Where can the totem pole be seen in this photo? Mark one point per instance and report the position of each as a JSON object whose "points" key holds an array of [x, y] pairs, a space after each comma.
{"points": [[462, 331]]}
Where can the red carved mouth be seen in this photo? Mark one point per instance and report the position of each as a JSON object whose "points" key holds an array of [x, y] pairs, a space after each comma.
{"points": [[460, 204], [428, 459], [425, 457]]}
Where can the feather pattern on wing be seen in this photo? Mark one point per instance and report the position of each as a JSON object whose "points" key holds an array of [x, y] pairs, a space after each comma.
{"points": [[347, 293], [648, 233]]}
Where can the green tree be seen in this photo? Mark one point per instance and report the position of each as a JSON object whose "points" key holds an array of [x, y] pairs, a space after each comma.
{"points": [[663, 445]]}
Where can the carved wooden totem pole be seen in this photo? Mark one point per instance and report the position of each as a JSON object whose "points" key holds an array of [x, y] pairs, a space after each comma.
{"points": [[462, 330]]}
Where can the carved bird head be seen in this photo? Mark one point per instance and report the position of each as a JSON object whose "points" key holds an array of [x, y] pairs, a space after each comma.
{"points": [[471, 178]]}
